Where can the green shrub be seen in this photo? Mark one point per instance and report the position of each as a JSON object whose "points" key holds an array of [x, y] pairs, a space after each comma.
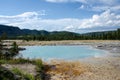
{"points": [[3, 61], [15, 61], [21, 61], [29, 77], [17, 71], [24, 75], [6, 74], [39, 64], [39, 69]]}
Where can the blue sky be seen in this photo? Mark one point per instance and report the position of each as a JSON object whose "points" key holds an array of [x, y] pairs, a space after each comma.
{"points": [[68, 15]]}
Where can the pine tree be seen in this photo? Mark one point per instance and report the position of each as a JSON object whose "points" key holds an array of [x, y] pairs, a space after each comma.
{"points": [[118, 34], [0, 49], [4, 36], [14, 50]]}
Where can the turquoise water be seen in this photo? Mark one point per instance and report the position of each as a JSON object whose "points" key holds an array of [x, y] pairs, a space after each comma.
{"points": [[73, 52]]}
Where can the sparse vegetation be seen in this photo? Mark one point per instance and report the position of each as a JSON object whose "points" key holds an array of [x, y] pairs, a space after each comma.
{"points": [[7, 56], [6, 74], [22, 74], [39, 69], [15, 61], [38, 63]]}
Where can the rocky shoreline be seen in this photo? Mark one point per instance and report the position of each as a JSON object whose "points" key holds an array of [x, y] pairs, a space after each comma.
{"points": [[110, 45]]}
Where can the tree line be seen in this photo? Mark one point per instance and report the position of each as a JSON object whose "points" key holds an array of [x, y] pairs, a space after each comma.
{"points": [[106, 35]]}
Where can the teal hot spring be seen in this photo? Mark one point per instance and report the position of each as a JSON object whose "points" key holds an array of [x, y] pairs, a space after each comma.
{"points": [[71, 52]]}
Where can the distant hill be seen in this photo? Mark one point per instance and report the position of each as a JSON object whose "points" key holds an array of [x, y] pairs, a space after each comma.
{"points": [[27, 34], [10, 30], [15, 31]]}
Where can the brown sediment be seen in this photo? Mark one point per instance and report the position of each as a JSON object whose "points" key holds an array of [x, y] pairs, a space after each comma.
{"points": [[104, 68]]}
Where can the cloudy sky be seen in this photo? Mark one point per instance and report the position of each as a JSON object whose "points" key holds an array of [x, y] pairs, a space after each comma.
{"points": [[58, 15]]}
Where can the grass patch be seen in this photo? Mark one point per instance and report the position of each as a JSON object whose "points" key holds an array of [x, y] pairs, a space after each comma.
{"points": [[22, 74], [39, 69], [15, 61], [39, 64], [19, 61], [3, 61]]}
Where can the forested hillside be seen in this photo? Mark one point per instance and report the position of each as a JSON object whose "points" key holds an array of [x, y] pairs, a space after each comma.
{"points": [[11, 32]]}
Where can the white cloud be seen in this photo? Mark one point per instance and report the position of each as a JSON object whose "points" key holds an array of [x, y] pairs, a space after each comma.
{"points": [[54, 1], [31, 20], [21, 17], [60, 1], [93, 5], [101, 8], [82, 7], [26, 14], [106, 19], [101, 5], [108, 2]]}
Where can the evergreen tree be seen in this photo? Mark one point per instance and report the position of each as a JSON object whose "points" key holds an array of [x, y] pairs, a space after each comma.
{"points": [[118, 34], [4, 36], [14, 50], [0, 49]]}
